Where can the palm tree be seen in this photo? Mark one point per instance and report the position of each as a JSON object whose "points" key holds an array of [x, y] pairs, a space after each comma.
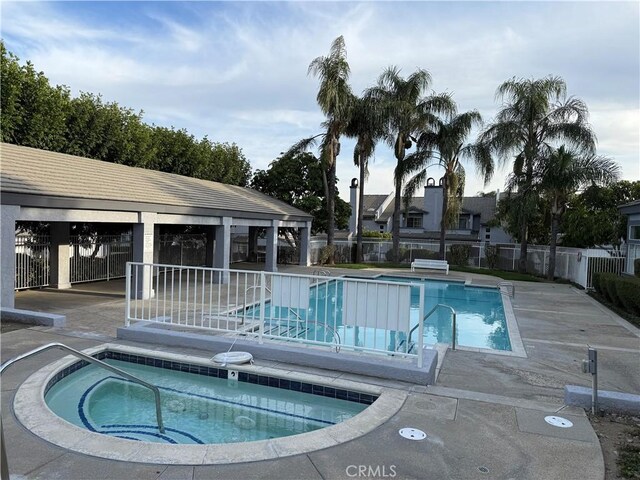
{"points": [[406, 111], [563, 173], [336, 101], [367, 127], [535, 116], [445, 146]]}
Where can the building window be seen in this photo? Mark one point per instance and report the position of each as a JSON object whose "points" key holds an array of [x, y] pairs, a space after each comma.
{"points": [[634, 232], [382, 228], [414, 222], [488, 231], [462, 223]]}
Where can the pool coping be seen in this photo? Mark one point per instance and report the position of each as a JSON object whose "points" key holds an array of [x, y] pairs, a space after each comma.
{"points": [[33, 413]]}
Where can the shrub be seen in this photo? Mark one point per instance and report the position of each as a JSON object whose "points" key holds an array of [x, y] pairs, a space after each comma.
{"points": [[628, 293], [459, 255], [327, 253], [374, 234], [608, 282], [597, 283], [492, 253], [636, 267]]}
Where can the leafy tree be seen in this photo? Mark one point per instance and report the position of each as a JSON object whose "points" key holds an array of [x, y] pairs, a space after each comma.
{"points": [[106, 131], [33, 112], [535, 116], [336, 101], [564, 172], [445, 146], [592, 218], [36, 114], [406, 111], [223, 162], [298, 180], [509, 211], [367, 127]]}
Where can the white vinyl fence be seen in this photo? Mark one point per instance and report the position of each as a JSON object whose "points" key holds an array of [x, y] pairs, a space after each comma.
{"points": [[573, 264], [336, 313]]}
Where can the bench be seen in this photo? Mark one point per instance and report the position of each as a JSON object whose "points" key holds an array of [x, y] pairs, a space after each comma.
{"points": [[430, 264]]}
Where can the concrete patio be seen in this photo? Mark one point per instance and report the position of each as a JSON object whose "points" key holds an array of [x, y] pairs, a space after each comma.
{"points": [[484, 417]]}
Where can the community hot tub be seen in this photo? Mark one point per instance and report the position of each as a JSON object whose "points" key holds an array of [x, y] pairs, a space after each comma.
{"points": [[207, 410]]}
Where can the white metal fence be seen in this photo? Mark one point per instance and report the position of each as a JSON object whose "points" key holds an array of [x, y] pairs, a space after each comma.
{"points": [[356, 314], [32, 261], [573, 264], [183, 249], [100, 258]]}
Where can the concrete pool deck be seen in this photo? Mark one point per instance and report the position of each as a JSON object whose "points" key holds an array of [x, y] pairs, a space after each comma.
{"points": [[484, 418]]}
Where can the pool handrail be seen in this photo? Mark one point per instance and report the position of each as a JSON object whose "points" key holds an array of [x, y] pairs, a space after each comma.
{"points": [[95, 361], [453, 323]]}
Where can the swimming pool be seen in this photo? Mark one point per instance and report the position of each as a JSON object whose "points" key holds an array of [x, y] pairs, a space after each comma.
{"points": [[481, 320], [200, 405]]}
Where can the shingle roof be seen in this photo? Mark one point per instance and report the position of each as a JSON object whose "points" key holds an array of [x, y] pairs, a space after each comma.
{"points": [[31, 171], [485, 206]]}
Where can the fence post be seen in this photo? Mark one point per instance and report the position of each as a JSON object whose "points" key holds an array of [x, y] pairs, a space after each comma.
{"points": [[263, 287], [108, 249], [128, 294], [421, 326]]}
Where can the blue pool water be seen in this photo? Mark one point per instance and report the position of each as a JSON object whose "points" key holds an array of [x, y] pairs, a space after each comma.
{"points": [[481, 321], [197, 409]]}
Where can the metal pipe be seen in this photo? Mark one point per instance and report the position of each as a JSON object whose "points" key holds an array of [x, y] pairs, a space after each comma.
{"points": [[100, 363], [453, 323]]}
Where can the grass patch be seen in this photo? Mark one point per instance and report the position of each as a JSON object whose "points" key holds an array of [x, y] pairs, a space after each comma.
{"points": [[629, 317], [629, 462], [521, 277], [364, 266]]}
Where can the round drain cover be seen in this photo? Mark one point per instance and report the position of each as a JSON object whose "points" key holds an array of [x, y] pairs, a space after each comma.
{"points": [[412, 434], [558, 421]]}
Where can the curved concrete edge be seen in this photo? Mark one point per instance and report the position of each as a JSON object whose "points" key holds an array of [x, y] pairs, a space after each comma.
{"points": [[32, 411]]}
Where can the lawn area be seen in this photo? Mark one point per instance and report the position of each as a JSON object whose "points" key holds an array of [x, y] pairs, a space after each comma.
{"points": [[522, 277]]}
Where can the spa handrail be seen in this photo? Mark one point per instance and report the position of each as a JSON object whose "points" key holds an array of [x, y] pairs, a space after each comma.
{"points": [[100, 363], [453, 323]]}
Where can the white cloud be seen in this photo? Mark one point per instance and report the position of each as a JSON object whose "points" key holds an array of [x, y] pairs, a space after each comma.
{"points": [[237, 72]]}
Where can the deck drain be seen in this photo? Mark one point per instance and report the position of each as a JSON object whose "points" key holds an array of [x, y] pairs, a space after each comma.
{"points": [[483, 469], [412, 434], [558, 421]]}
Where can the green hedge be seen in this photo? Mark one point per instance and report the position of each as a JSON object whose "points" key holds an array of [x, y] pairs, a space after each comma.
{"points": [[623, 292], [459, 255]]}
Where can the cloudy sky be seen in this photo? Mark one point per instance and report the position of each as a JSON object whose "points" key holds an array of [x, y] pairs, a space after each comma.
{"points": [[237, 71]]}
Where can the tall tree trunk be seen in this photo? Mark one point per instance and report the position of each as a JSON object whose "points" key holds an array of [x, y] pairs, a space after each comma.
{"points": [[443, 221], [331, 214], [522, 262], [396, 223], [360, 221], [555, 223], [524, 217]]}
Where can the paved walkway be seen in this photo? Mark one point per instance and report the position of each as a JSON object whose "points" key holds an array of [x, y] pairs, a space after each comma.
{"points": [[484, 418]]}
